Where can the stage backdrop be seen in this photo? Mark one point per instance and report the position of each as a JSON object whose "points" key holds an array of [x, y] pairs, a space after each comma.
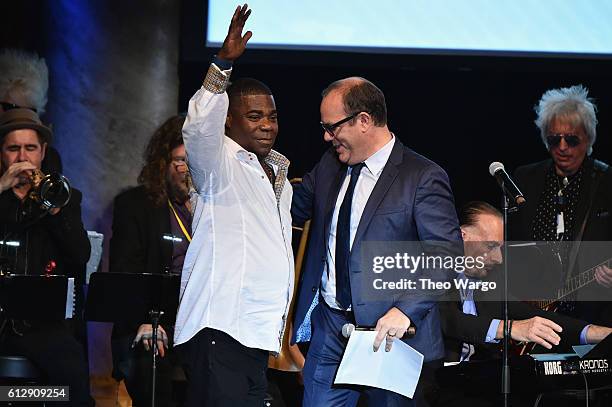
{"points": [[114, 77]]}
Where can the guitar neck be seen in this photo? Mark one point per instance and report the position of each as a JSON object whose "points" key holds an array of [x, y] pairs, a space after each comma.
{"points": [[577, 282]]}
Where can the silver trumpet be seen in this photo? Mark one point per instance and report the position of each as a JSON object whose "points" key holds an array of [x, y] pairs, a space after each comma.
{"points": [[50, 191]]}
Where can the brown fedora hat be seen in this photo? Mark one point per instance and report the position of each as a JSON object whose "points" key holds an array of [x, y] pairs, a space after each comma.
{"points": [[16, 119]]}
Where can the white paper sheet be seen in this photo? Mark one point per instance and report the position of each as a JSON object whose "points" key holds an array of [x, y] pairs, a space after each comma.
{"points": [[70, 298], [95, 239], [397, 370]]}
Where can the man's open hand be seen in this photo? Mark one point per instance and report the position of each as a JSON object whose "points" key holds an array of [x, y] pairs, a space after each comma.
{"points": [[393, 324], [540, 330], [235, 43]]}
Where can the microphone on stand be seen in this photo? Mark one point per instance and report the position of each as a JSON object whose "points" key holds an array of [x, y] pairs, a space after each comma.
{"points": [[496, 169], [348, 329], [511, 194]]}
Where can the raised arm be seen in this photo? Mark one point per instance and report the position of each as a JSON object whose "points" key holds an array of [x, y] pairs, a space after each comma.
{"points": [[204, 126]]}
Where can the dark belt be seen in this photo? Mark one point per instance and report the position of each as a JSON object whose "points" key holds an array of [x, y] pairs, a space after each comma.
{"points": [[348, 315]]}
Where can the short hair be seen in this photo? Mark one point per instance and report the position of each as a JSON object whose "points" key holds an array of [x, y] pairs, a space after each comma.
{"points": [[24, 73], [572, 104], [361, 95], [246, 87], [468, 214], [157, 157]]}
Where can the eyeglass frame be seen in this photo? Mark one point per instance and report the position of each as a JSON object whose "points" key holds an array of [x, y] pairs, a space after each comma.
{"points": [[329, 128], [571, 139]]}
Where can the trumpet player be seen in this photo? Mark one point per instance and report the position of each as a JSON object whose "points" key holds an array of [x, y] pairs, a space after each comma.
{"points": [[36, 241]]}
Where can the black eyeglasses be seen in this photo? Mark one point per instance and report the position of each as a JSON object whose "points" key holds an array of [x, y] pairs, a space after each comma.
{"points": [[554, 140], [331, 127], [10, 106]]}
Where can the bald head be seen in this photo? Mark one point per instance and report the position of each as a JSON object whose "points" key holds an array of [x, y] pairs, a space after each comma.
{"points": [[343, 85], [360, 95]]}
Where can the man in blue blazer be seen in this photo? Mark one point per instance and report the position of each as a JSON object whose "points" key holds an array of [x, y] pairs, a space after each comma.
{"points": [[368, 187]]}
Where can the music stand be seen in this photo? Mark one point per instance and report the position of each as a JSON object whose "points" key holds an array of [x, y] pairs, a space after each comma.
{"points": [[18, 291], [134, 298], [603, 350]]}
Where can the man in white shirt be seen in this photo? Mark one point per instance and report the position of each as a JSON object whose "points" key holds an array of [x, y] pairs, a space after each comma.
{"points": [[237, 278]]}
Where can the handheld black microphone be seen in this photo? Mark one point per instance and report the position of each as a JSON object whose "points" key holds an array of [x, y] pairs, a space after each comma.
{"points": [[348, 329], [514, 194]]}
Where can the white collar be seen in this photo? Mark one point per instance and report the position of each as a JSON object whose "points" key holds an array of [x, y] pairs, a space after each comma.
{"points": [[376, 162]]}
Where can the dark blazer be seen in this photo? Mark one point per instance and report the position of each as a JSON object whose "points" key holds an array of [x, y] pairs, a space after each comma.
{"points": [[136, 245], [60, 238], [412, 201], [530, 179], [459, 327]]}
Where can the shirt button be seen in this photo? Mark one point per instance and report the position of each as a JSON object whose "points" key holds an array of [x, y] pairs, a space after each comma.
{"points": [[314, 289], [212, 343]]}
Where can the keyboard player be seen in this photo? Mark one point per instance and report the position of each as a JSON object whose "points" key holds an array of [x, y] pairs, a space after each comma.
{"points": [[473, 327]]}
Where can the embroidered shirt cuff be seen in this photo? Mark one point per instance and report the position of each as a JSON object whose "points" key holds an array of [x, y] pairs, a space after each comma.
{"points": [[216, 80]]}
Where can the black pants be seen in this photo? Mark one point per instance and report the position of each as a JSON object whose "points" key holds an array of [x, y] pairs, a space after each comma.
{"points": [[55, 351], [222, 372]]}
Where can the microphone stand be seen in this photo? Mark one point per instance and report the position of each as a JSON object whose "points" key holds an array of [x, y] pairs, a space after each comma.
{"points": [[154, 315], [507, 334], [505, 364]]}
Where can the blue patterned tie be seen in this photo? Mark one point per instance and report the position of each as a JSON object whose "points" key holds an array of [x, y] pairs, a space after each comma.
{"points": [[343, 241]]}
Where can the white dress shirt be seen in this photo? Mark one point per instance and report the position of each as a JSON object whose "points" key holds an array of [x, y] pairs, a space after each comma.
{"points": [[370, 173], [238, 272]]}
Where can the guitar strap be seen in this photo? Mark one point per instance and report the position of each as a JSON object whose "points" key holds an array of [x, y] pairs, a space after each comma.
{"points": [[599, 168]]}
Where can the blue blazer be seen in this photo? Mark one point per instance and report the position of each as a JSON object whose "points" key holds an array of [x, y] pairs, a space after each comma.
{"points": [[411, 201]]}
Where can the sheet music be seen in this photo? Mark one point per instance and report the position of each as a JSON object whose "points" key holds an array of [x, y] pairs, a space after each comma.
{"points": [[95, 239], [70, 298]]}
